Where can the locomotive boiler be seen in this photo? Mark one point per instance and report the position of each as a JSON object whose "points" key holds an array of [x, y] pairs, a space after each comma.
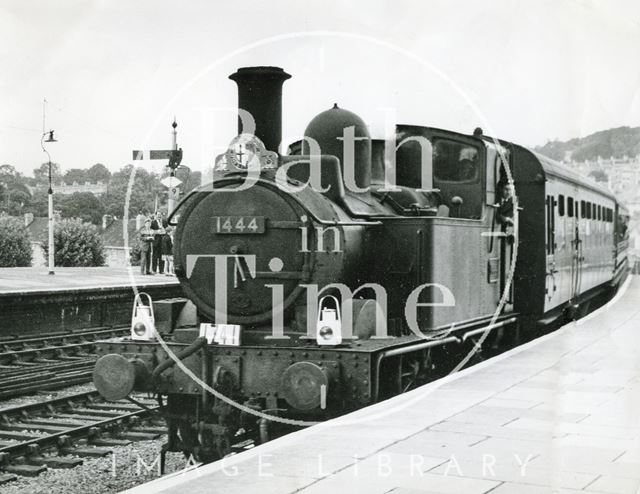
{"points": [[352, 269]]}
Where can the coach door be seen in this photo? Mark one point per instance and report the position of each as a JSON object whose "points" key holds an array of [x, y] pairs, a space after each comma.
{"points": [[576, 247], [551, 281]]}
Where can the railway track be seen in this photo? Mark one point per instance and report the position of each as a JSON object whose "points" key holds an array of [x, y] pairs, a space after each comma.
{"points": [[58, 433], [49, 361]]}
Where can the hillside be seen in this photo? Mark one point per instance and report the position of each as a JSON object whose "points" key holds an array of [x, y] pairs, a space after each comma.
{"points": [[618, 142]]}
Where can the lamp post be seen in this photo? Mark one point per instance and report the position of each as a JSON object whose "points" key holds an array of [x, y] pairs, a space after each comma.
{"points": [[50, 196]]}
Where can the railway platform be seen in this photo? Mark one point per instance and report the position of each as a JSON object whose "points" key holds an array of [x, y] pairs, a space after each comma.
{"points": [[559, 414], [30, 280], [34, 302]]}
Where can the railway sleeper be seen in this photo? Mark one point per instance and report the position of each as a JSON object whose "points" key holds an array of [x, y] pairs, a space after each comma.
{"points": [[25, 470], [56, 462], [35, 457], [17, 436], [51, 421], [109, 441], [87, 451], [7, 477], [22, 426], [113, 406], [81, 416], [96, 412], [141, 436], [150, 429]]}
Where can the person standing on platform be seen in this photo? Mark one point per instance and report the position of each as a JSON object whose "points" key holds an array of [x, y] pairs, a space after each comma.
{"points": [[157, 225], [145, 241], [167, 251]]}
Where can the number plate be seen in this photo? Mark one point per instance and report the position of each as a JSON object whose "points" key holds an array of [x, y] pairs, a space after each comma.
{"points": [[238, 224]]}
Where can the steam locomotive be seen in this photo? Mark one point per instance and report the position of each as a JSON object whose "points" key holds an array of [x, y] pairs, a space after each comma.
{"points": [[308, 302]]}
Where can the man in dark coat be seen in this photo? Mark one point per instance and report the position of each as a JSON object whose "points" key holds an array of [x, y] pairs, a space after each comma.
{"points": [[158, 225], [505, 206]]}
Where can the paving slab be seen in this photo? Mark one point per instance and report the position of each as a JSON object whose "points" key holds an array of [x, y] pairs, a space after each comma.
{"points": [[559, 414], [38, 279]]}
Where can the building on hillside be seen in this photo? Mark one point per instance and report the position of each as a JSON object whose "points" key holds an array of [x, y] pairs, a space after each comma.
{"points": [[623, 174], [96, 189]]}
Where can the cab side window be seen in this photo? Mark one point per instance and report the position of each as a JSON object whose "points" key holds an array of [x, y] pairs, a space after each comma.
{"points": [[455, 162], [458, 169]]}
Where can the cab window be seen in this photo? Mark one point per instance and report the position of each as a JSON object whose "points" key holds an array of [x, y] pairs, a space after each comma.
{"points": [[455, 162]]}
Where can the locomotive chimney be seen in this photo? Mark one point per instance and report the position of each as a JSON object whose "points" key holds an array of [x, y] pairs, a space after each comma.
{"points": [[260, 94]]}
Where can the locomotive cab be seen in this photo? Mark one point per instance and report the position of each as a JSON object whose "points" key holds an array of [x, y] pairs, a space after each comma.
{"points": [[456, 166]]}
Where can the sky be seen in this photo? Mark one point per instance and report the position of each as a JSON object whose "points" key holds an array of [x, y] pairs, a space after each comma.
{"points": [[115, 73]]}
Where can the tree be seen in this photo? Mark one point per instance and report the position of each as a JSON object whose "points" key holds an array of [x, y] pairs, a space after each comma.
{"points": [[83, 205], [76, 175], [145, 188], [190, 179], [98, 173], [76, 244], [41, 174], [8, 171], [38, 204], [14, 192], [15, 246]]}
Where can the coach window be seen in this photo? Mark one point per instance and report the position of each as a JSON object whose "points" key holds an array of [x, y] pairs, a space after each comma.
{"points": [[570, 207], [583, 209], [560, 205]]}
